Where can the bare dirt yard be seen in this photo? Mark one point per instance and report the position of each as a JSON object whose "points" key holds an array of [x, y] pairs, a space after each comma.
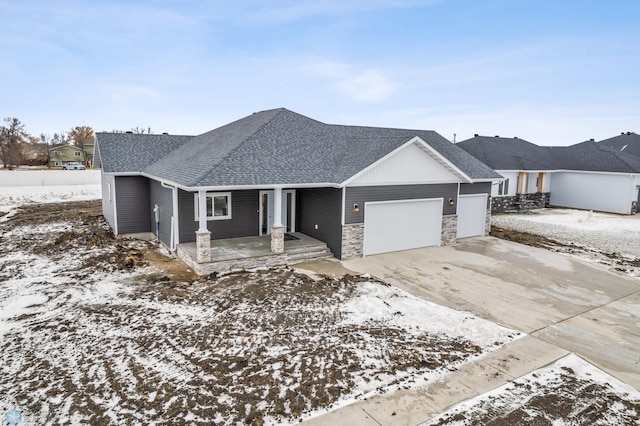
{"points": [[607, 239], [99, 330]]}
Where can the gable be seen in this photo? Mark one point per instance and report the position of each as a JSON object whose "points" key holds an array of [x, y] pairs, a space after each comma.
{"points": [[409, 165]]}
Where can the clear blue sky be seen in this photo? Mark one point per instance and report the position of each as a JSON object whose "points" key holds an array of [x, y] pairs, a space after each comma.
{"points": [[552, 72]]}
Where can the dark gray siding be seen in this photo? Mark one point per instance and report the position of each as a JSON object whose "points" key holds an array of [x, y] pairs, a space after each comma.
{"points": [[243, 222], [321, 207], [108, 206], [132, 204], [361, 194], [163, 198], [475, 188]]}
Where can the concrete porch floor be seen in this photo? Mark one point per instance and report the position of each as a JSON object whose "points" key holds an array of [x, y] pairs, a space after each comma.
{"points": [[252, 252]]}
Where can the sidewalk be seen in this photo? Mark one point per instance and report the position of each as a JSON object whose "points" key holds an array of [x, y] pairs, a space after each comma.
{"points": [[414, 407]]}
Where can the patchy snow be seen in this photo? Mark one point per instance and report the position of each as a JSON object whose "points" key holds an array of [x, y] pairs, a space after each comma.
{"points": [[603, 231], [84, 343], [570, 391], [12, 197]]}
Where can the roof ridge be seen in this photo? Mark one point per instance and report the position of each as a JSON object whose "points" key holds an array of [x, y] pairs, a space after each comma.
{"points": [[245, 140]]}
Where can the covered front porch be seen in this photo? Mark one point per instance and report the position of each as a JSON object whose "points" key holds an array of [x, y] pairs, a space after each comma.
{"points": [[252, 252]]}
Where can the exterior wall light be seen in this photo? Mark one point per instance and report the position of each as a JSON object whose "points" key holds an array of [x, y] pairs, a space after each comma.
{"points": [[355, 208], [451, 202]]}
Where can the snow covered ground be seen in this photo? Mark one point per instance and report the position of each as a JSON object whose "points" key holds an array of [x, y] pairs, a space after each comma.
{"points": [[12, 197], [85, 340], [602, 231], [569, 392]]}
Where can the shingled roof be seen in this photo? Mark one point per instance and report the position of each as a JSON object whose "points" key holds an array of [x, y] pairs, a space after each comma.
{"points": [[628, 143], [592, 156], [508, 153], [131, 153], [518, 154], [281, 147]]}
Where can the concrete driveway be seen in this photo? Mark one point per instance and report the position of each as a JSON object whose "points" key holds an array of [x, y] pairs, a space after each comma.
{"points": [[563, 304]]}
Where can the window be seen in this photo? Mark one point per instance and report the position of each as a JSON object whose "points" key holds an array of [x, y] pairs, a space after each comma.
{"points": [[503, 187], [56, 153], [57, 163], [76, 153], [218, 206]]}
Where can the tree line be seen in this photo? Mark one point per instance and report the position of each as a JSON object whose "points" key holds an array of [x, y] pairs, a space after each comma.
{"points": [[18, 147]]}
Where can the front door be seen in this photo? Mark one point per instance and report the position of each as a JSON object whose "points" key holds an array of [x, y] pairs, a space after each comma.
{"points": [[288, 211]]}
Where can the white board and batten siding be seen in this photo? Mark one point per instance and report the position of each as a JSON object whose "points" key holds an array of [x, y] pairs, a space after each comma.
{"points": [[472, 211], [605, 192], [412, 164], [402, 225]]}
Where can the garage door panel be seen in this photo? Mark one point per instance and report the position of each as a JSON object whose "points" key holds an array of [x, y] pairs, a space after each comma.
{"points": [[472, 210], [402, 225]]}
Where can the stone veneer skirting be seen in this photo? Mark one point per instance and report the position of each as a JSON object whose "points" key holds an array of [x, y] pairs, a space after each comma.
{"points": [[449, 230], [352, 239], [487, 223], [539, 200]]}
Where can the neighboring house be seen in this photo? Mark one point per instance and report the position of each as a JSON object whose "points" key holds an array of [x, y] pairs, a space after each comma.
{"points": [[35, 154], [587, 175], [628, 142], [592, 176], [277, 174], [88, 148], [527, 170], [63, 154]]}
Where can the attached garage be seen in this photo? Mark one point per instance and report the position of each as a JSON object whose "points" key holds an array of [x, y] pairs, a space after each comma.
{"points": [[402, 225], [472, 210]]}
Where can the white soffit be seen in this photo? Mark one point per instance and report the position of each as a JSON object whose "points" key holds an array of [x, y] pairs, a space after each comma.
{"points": [[411, 164]]}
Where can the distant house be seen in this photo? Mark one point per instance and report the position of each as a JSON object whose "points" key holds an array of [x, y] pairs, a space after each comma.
{"points": [[627, 142], [63, 154], [527, 170], [282, 178], [587, 175]]}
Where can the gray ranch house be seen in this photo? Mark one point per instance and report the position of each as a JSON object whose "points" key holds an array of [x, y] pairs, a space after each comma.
{"points": [[274, 187], [602, 176]]}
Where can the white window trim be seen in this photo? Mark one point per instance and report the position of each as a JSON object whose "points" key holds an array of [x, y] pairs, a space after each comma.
{"points": [[196, 206], [57, 164], [76, 153], [504, 185], [109, 191]]}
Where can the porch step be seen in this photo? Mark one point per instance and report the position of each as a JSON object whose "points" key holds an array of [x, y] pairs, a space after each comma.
{"points": [[304, 253]]}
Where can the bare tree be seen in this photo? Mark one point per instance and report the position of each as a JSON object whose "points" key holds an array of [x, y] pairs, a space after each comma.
{"points": [[12, 136], [135, 130], [81, 135]]}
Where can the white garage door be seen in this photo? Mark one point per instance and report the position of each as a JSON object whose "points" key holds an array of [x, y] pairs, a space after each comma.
{"points": [[401, 225], [472, 210]]}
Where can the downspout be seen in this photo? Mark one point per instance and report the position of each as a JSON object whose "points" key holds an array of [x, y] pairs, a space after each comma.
{"points": [[174, 222]]}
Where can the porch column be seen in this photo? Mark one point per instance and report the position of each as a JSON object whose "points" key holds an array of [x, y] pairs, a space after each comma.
{"points": [[277, 230], [203, 236]]}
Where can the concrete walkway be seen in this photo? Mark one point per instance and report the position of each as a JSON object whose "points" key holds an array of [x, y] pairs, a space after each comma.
{"points": [[563, 304]]}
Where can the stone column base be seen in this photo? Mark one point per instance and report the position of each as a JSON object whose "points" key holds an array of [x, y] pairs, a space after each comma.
{"points": [[449, 230], [203, 246], [352, 238], [277, 239]]}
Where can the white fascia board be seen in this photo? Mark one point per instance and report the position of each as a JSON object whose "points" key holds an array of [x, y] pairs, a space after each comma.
{"points": [[122, 173], [413, 140], [600, 172], [242, 187], [404, 183], [492, 180], [525, 171]]}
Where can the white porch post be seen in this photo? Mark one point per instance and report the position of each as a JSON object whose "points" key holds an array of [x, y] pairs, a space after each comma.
{"points": [[203, 236], [277, 230]]}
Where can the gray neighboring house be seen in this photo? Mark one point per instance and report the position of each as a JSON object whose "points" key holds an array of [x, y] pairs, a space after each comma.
{"points": [[587, 175], [626, 142], [279, 176], [526, 167]]}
